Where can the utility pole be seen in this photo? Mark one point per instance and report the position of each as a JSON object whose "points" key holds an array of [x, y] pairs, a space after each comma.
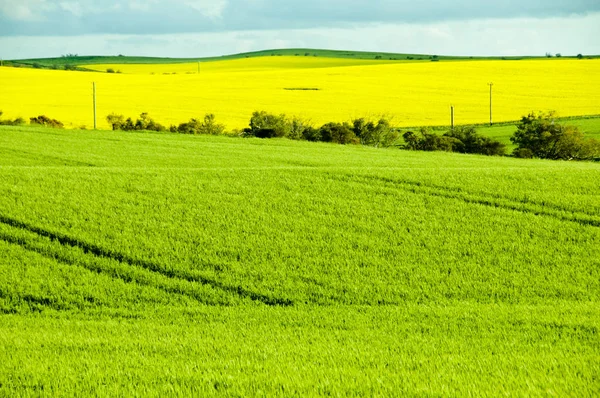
{"points": [[94, 93], [491, 86], [452, 117]]}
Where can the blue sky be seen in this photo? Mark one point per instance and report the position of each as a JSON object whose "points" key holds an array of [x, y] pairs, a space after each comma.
{"points": [[190, 28]]}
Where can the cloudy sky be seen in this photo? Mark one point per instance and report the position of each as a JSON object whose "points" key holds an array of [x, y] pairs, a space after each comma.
{"points": [[193, 28]]}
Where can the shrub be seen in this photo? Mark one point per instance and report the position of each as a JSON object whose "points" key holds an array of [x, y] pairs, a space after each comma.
{"points": [[311, 134], [195, 126], [380, 134], [547, 139], [116, 121], [43, 120], [266, 125], [110, 70], [16, 122], [469, 141], [427, 141], [145, 122], [340, 133], [298, 129], [523, 153]]}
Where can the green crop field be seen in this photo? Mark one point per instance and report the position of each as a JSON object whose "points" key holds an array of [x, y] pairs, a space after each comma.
{"points": [[140, 264]]}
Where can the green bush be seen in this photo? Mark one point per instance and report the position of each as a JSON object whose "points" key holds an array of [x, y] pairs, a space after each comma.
{"points": [[145, 122], [340, 133], [375, 134], [195, 126], [110, 70], [311, 134], [299, 129], [16, 122], [267, 125], [43, 120], [523, 153], [116, 121], [469, 141], [427, 141]]}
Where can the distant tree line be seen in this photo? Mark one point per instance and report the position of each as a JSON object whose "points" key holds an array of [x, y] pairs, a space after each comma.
{"points": [[359, 131], [537, 135], [38, 121]]}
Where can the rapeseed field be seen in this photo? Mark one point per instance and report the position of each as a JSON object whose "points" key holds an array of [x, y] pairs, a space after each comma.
{"points": [[314, 88]]}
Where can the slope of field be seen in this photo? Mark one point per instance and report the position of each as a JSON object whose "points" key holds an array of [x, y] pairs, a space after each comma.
{"points": [[78, 60], [314, 88], [150, 264]]}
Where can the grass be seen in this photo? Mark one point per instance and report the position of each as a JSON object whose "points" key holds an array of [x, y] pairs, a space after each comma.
{"points": [[153, 264]]}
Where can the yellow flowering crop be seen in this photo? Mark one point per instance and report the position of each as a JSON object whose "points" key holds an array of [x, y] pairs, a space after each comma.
{"points": [[319, 89]]}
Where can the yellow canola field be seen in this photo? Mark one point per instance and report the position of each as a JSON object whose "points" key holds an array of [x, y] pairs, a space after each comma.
{"points": [[412, 94]]}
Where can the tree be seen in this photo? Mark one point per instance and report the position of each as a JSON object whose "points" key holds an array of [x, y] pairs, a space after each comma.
{"points": [[579, 56], [545, 138]]}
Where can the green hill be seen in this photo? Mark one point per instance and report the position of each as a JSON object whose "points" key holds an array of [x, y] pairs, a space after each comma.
{"points": [[160, 264], [72, 60]]}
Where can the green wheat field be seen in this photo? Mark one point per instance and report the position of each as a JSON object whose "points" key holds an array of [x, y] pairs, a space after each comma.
{"points": [[140, 264]]}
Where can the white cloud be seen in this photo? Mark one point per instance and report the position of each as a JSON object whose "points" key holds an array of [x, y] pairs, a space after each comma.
{"points": [[72, 7], [208, 8], [25, 10]]}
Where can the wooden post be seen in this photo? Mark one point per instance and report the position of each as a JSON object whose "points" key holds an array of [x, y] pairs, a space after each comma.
{"points": [[94, 91], [452, 117], [491, 85]]}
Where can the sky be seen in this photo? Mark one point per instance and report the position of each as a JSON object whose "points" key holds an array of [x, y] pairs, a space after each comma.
{"points": [[197, 28]]}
